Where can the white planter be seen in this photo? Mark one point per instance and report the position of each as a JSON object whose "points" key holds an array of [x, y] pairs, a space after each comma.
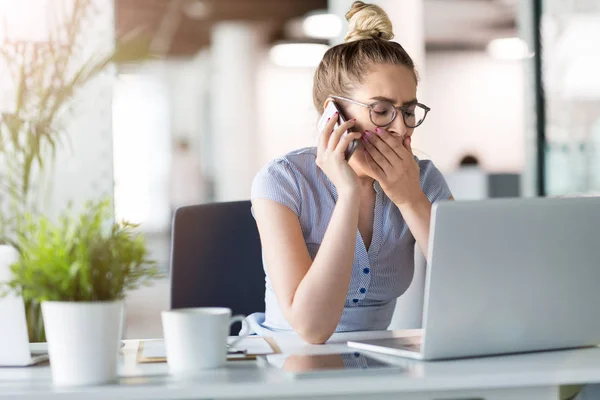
{"points": [[83, 341], [8, 256]]}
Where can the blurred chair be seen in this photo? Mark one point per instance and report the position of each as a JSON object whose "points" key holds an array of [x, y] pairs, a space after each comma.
{"points": [[504, 185], [216, 258], [474, 184], [468, 183]]}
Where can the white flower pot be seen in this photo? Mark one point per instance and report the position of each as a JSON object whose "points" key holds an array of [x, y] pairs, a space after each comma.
{"points": [[8, 256], [83, 341]]}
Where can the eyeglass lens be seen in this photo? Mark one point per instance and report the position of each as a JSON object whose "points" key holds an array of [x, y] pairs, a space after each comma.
{"points": [[383, 113]]}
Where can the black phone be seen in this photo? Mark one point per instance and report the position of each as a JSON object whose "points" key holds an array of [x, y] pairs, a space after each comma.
{"points": [[330, 110]]}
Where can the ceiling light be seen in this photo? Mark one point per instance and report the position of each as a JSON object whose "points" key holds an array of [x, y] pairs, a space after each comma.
{"points": [[508, 49], [322, 26], [196, 9], [297, 55]]}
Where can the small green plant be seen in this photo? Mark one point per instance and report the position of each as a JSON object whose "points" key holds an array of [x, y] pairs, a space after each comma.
{"points": [[34, 120], [84, 257]]}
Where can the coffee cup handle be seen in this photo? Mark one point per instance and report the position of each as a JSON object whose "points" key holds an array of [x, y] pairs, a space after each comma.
{"points": [[234, 319]]}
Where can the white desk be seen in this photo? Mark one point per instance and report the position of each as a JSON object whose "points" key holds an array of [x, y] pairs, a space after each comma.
{"points": [[523, 377]]}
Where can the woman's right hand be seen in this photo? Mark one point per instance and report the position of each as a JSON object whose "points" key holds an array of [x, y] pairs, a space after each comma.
{"points": [[331, 158]]}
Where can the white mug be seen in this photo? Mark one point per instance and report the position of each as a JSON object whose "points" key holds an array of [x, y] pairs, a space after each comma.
{"points": [[196, 338]]}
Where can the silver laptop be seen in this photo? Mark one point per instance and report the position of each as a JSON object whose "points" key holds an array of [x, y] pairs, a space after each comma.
{"points": [[507, 276], [15, 350]]}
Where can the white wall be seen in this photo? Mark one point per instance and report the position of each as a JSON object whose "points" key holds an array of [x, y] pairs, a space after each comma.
{"points": [[287, 119], [235, 51], [478, 107], [142, 147], [153, 104], [186, 81]]}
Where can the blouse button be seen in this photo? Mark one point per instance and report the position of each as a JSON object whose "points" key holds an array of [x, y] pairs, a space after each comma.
{"points": [[366, 270], [355, 300], [363, 290]]}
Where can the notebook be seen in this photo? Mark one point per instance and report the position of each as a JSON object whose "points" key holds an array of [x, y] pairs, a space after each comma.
{"points": [[153, 351]]}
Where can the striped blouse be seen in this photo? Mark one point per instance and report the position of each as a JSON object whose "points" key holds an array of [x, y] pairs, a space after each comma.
{"points": [[380, 274]]}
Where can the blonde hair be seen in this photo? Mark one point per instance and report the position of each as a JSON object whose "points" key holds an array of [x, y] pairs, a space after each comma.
{"points": [[367, 43]]}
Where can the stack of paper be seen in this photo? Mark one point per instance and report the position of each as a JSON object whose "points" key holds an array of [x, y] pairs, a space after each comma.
{"points": [[150, 351]]}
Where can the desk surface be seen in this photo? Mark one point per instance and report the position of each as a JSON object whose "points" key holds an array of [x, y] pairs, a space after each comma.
{"points": [[246, 379]]}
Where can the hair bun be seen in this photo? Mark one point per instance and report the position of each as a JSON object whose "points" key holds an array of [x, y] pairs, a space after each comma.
{"points": [[367, 21]]}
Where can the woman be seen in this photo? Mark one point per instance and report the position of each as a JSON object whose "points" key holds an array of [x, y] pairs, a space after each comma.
{"points": [[338, 236]]}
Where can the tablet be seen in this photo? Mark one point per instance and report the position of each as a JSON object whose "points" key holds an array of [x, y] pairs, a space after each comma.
{"points": [[315, 365]]}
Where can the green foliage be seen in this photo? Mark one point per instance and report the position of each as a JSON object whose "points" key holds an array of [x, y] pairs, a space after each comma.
{"points": [[46, 76], [83, 257]]}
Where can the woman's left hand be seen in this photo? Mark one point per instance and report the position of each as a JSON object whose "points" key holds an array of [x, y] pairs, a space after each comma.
{"points": [[393, 165]]}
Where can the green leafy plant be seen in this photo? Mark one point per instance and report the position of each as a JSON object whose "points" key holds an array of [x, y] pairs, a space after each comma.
{"points": [[46, 76], [83, 257]]}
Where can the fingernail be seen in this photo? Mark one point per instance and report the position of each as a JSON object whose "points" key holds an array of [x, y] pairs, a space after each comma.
{"points": [[353, 119], [335, 114], [328, 119], [379, 130], [368, 133]]}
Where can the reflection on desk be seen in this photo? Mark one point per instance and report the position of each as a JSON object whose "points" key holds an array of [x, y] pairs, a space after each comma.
{"points": [[319, 365], [524, 377]]}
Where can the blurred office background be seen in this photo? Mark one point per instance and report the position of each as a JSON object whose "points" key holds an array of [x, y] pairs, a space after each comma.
{"points": [[230, 87]]}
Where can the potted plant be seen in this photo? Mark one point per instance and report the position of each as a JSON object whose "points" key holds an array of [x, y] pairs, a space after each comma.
{"points": [[45, 75], [79, 269]]}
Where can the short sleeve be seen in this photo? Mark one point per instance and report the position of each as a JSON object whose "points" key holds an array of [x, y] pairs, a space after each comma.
{"points": [[278, 181], [433, 183]]}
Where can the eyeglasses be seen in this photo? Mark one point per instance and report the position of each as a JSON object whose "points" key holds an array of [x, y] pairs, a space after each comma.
{"points": [[383, 113]]}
